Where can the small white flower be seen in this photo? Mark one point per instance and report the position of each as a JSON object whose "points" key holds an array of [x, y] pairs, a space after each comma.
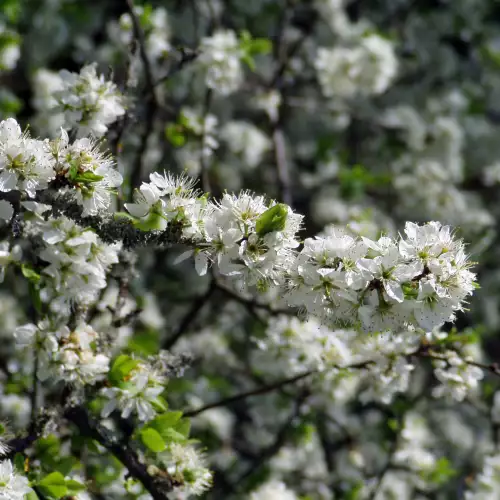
{"points": [[13, 486], [188, 466]]}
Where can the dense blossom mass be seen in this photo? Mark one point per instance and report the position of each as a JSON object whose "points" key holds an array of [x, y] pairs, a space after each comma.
{"points": [[237, 250]]}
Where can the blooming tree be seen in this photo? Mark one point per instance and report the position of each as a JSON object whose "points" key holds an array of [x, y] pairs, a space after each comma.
{"points": [[238, 245]]}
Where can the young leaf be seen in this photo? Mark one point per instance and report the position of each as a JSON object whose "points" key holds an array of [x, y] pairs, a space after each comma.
{"points": [[166, 421], [175, 135], [152, 439], [53, 485], [122, 366], [183, 427], [273, 219], [74, 486], [172, 436], [29, 273]]}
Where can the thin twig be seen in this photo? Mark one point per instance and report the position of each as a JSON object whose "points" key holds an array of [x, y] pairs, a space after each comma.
{"points": [[190, 317], [151, 105], [34, 394], [139, 36], [277, 444], [253, 303], [426, 353], [255, 392], [187, 56]]}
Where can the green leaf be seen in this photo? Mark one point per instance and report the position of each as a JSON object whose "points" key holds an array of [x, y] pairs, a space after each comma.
{"points": [[36, 300], [251, 47], [165, 421], [175, 135], [10, 105], [121, 367], [74, 486], [393, 424], [31, 496], [442, 472], [152, 439], [53, 485], [145, 16], [172, 436], [48, 446], [65, 464], [183, 427], [355, 492], [273, 219], [11, 9], [249, 61], [19, 462], [261, 46], [29, 273], [159, 404]]}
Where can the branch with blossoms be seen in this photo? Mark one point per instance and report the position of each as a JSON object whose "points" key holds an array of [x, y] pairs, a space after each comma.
{"points": [[417, 282], [307, 362], [64, 191]]}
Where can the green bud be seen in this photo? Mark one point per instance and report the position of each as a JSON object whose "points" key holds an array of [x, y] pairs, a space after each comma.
{"points": [[273, 219]]}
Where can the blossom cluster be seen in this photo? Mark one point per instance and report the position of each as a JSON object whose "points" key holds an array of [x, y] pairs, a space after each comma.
{"points": [[368, 67], [25, 163], [418, 281], [138, 393], [80, 168], [220, 59], [64, 355], [84, 101], [320, 366], [76, 263]]}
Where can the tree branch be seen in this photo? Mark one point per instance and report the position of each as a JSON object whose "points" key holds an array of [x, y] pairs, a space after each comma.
{"points": [[157, 486], [109, 229]]}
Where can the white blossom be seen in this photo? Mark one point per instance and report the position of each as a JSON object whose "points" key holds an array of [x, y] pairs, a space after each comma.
{"points": [[137, 396], [89, 102], [25, 163], [273, 490], [13, 486], [220, 58], [366, 68], [187, 465], [457, 378]]}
